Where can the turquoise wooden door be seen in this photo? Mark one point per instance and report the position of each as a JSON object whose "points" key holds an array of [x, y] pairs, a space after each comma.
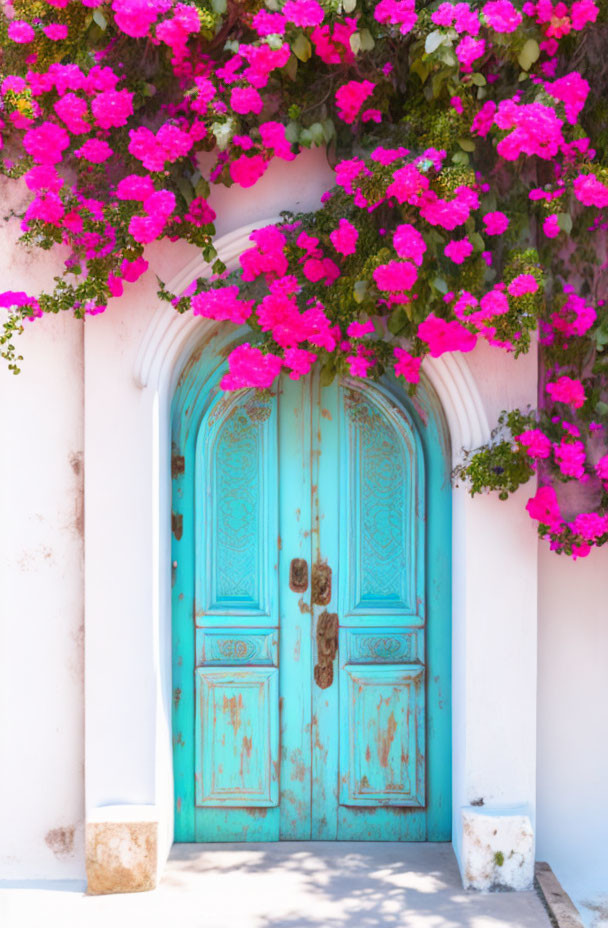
{"points": [[311, 644]]}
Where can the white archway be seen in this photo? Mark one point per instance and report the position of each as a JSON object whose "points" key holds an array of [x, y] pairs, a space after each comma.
{"points": [[494, 623]]}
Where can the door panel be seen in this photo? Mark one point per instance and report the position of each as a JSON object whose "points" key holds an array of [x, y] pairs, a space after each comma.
{"points": [[237, 737], [307, 703], [382, 735]]}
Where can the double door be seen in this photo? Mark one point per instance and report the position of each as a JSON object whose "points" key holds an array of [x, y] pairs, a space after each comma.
{"points": [[301, 675]]}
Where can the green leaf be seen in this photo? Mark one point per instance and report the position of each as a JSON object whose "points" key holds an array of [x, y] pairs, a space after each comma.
{"points": [[460, 157], [529, 54], [100, 19], [440, 284], [476, 241], [292, 132], [302, 48], [360, 290], [219, 6], [601, 408], [355, 43], [397, 321], [564, 221], [291, 68], [367, 40], [317, 133], [467, 144], [433, 41], [349, 5], [478, 79]]}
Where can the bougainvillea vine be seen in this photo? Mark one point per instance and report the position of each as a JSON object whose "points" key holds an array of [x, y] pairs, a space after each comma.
{"points": [[469, 143]]}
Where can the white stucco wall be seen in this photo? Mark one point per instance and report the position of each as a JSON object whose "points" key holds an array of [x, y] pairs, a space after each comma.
{"points": [[573, 727], [41, 595]]}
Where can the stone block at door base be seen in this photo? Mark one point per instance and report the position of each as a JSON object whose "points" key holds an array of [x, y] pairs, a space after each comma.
{"points": [[121, 857], [497, 849]]}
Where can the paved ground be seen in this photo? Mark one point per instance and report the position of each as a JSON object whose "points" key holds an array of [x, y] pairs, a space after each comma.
{"points": [[288, 885]]}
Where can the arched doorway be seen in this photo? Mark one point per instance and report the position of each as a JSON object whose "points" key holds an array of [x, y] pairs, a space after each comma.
{"points": [[311, 610]]}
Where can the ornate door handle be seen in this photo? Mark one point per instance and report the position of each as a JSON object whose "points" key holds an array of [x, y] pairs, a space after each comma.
{"points": [[327, 648], [321, 584], [298, 575]]}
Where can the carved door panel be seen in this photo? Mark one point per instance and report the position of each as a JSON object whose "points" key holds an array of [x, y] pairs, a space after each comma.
{"points": [[369, 718], [300, 675]]}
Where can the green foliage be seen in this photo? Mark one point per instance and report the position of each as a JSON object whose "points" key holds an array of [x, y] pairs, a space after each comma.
{"points": [[501, 466]]}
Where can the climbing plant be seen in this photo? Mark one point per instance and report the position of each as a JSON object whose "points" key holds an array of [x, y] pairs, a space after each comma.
{"points": [[469, 143]]}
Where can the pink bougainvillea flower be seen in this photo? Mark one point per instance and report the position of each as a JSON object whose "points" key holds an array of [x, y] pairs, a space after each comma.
{"points": [[551, 226], [442, 336], [266, 23], [494, 303], [567, 390], [359, 329], [332, 43], [409, 243], [112, 108], [222, 303], [458, 250], [344, 238], [396, 276], [44, 177], [544, 508], [484, 119], [247, 171], [601, 468], [246, 100], [303, 12], [250, 367], [589, 525], [72, 110], [267, 256], [406, 365], [94, 150], [570, 458], [348, 171], [299, 361], [135, 187], [20, 32], [56, 32], [134, 17], [572, 90], [522, 284], [11, 298], [133, 270], [535, 130], [469, 50], [400, 13], [501, 15], [350, 98], [535, 442], [590, 191], [496, 223], [273, 137], [408, 182], [575, 317], [46, 143], [583, 12]]}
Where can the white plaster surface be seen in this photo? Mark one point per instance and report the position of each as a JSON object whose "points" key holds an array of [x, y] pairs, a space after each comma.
{"points": [[41, 595], [291, 885], [573, 728]]}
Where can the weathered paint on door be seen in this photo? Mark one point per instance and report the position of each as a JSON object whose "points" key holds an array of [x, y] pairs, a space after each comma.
{"points": [[311, 641]]}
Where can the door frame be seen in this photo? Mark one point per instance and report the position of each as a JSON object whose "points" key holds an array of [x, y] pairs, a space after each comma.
{"points": [[196, 394], [128, 746]]}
